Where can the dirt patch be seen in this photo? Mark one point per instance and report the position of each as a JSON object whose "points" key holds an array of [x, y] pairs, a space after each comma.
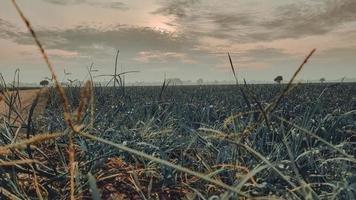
{"points": [[21, 104]]}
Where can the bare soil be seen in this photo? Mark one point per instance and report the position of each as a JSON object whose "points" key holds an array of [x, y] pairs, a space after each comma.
{"points": [[22, 104]]}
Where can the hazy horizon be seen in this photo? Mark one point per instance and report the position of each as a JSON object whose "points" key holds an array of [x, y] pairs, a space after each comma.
{"points": [[186, 39]]}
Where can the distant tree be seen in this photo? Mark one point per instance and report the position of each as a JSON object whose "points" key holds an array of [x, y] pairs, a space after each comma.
{"points": [[44, 83], [175, 81], [322, 80], [200, 81], [278, 79]]}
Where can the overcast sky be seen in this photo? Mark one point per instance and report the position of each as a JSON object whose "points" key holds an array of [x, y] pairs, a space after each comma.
{"points": [[187, 39]]}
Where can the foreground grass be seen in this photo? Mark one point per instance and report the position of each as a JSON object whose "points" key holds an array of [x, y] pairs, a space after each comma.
{"points": [[190, 144]]}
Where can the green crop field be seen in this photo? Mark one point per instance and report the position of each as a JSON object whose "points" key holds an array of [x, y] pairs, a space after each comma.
{"points": [[305, 147]]}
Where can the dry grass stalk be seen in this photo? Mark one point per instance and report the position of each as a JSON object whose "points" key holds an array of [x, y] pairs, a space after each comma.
{"points": [[8, 194], [91, 106], [17, 162], [71, 152], [290, 83], [37, 186], [233, 69], [238, 167], [35, 139], [59, 88], [86, 91], [230, 120]]}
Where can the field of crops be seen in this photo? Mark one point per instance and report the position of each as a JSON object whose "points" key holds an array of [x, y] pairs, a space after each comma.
{"points": [[281, 141], [186, 142]]}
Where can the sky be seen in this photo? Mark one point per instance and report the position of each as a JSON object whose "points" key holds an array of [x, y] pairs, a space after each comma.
{"points": [[186, 39]]}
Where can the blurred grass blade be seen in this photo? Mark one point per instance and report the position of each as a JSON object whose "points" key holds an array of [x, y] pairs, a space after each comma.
{"points": [[8, 194], [233, 69], [237, 83], [95, 193]]}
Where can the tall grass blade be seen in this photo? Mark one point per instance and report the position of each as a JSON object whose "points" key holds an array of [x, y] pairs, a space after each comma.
{"points": [[95, 193]]}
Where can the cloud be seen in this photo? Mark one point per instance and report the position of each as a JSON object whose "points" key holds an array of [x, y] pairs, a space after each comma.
{"points": [[263, 37], [227, 21], [163, 57], [256, 58], [346, 54], [7, 30], [63, 54], [246, 23], [113, 5], [302, 19], [141, 48], [99, 43], [65, 2], [223, 20], [178, 8], [261, 54]]}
